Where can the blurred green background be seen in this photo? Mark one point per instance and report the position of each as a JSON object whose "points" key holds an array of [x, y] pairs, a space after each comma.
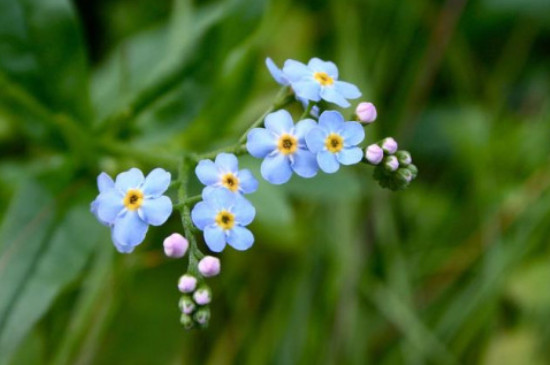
{"points": [[454, 270]]}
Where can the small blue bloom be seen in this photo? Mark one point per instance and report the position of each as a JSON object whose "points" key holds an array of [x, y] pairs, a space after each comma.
{"points": [[319, 80], [222, 216], [335, 141], [282, 146], [225, 173], [131, 204], [276, 72]]}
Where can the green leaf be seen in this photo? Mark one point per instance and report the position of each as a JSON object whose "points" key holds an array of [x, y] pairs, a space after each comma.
{"points": [[58, 261], [41, 48]]}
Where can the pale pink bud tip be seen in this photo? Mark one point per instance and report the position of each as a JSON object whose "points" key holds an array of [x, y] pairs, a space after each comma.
{"points": [[374, 154], [209, 266], [175, 245], [187, 283], [202, 296], [389, 145], [391, 163], [366, 112]]}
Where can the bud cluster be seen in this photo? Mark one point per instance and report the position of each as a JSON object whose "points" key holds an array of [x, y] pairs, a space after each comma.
{"points": [[394, 169], [194, 304]]}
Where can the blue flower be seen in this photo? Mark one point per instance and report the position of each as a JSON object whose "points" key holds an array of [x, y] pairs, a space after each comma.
{"points": [[131, 204], [223, 216], [335, 141], [283, 148], [225, 173], [319, 80]]}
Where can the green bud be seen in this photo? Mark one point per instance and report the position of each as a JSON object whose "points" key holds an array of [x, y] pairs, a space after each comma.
{"points": [[187, 321], [414, 170], [404, 158], [186, 304], [202, 316], [403, 175]]}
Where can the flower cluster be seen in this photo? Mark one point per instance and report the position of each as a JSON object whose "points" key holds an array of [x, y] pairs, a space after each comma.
{"points": [[321, 139], [394, 169]]}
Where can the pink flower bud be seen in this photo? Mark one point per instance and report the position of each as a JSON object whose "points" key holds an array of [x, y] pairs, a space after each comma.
{"points": [[187, 283], [202, 296], [366, 112], [209, 266], [374, 154], [389, 145], [175, 245], [391, 163]]}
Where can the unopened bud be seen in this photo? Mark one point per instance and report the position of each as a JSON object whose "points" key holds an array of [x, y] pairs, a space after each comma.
{"points": [[209, 266], [404, 174], [187, 283], [175, 245], [202, 296], [404, 158], [389, 145], [374, 154], [391, 163], [186, 304], [366, 112], [414, 170], [187, 321], [202, 316]]}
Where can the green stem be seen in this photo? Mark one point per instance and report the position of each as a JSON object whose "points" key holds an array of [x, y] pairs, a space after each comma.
{"points": [[188, 201], [194, 253], [307, 110]]}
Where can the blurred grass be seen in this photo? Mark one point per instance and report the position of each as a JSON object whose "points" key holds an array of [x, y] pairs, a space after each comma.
{"points": [[453, 270]]}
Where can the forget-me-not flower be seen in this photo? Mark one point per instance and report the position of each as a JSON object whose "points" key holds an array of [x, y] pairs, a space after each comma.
{"points": [[319, 80], [104, 183], [222, 216], [131, 204], [282, 146], [334, 141], [224, 173]]}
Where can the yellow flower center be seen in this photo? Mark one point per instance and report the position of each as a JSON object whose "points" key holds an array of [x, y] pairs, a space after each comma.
{"points": [[334, 143], [133, 199], [323, 78], [225, 219], [230, 181], [287, 144]]}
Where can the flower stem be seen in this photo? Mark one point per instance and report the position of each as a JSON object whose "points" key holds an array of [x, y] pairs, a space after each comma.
{"points": [[184, 202]]}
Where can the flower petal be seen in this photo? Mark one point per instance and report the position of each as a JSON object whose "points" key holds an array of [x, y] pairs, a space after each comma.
{"points": [[156, 182], [332, 95], [276, 72], [207, 172], [307, 89], [260, 142], [227, 162], [305, 164], [129, 179], [109, 205], [276, 169], [244, 211], [129, 230], [215, 238], [303, 127], [318, 65], [203, 215], [331, 121], [295, 70], [104, 182], [315, 139], [350, 156], [347, 90], [122, 248], [219, 198], [240, 238], [353, 133], [279, 122], [247, 182], [327, 162], [156, 211]]}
